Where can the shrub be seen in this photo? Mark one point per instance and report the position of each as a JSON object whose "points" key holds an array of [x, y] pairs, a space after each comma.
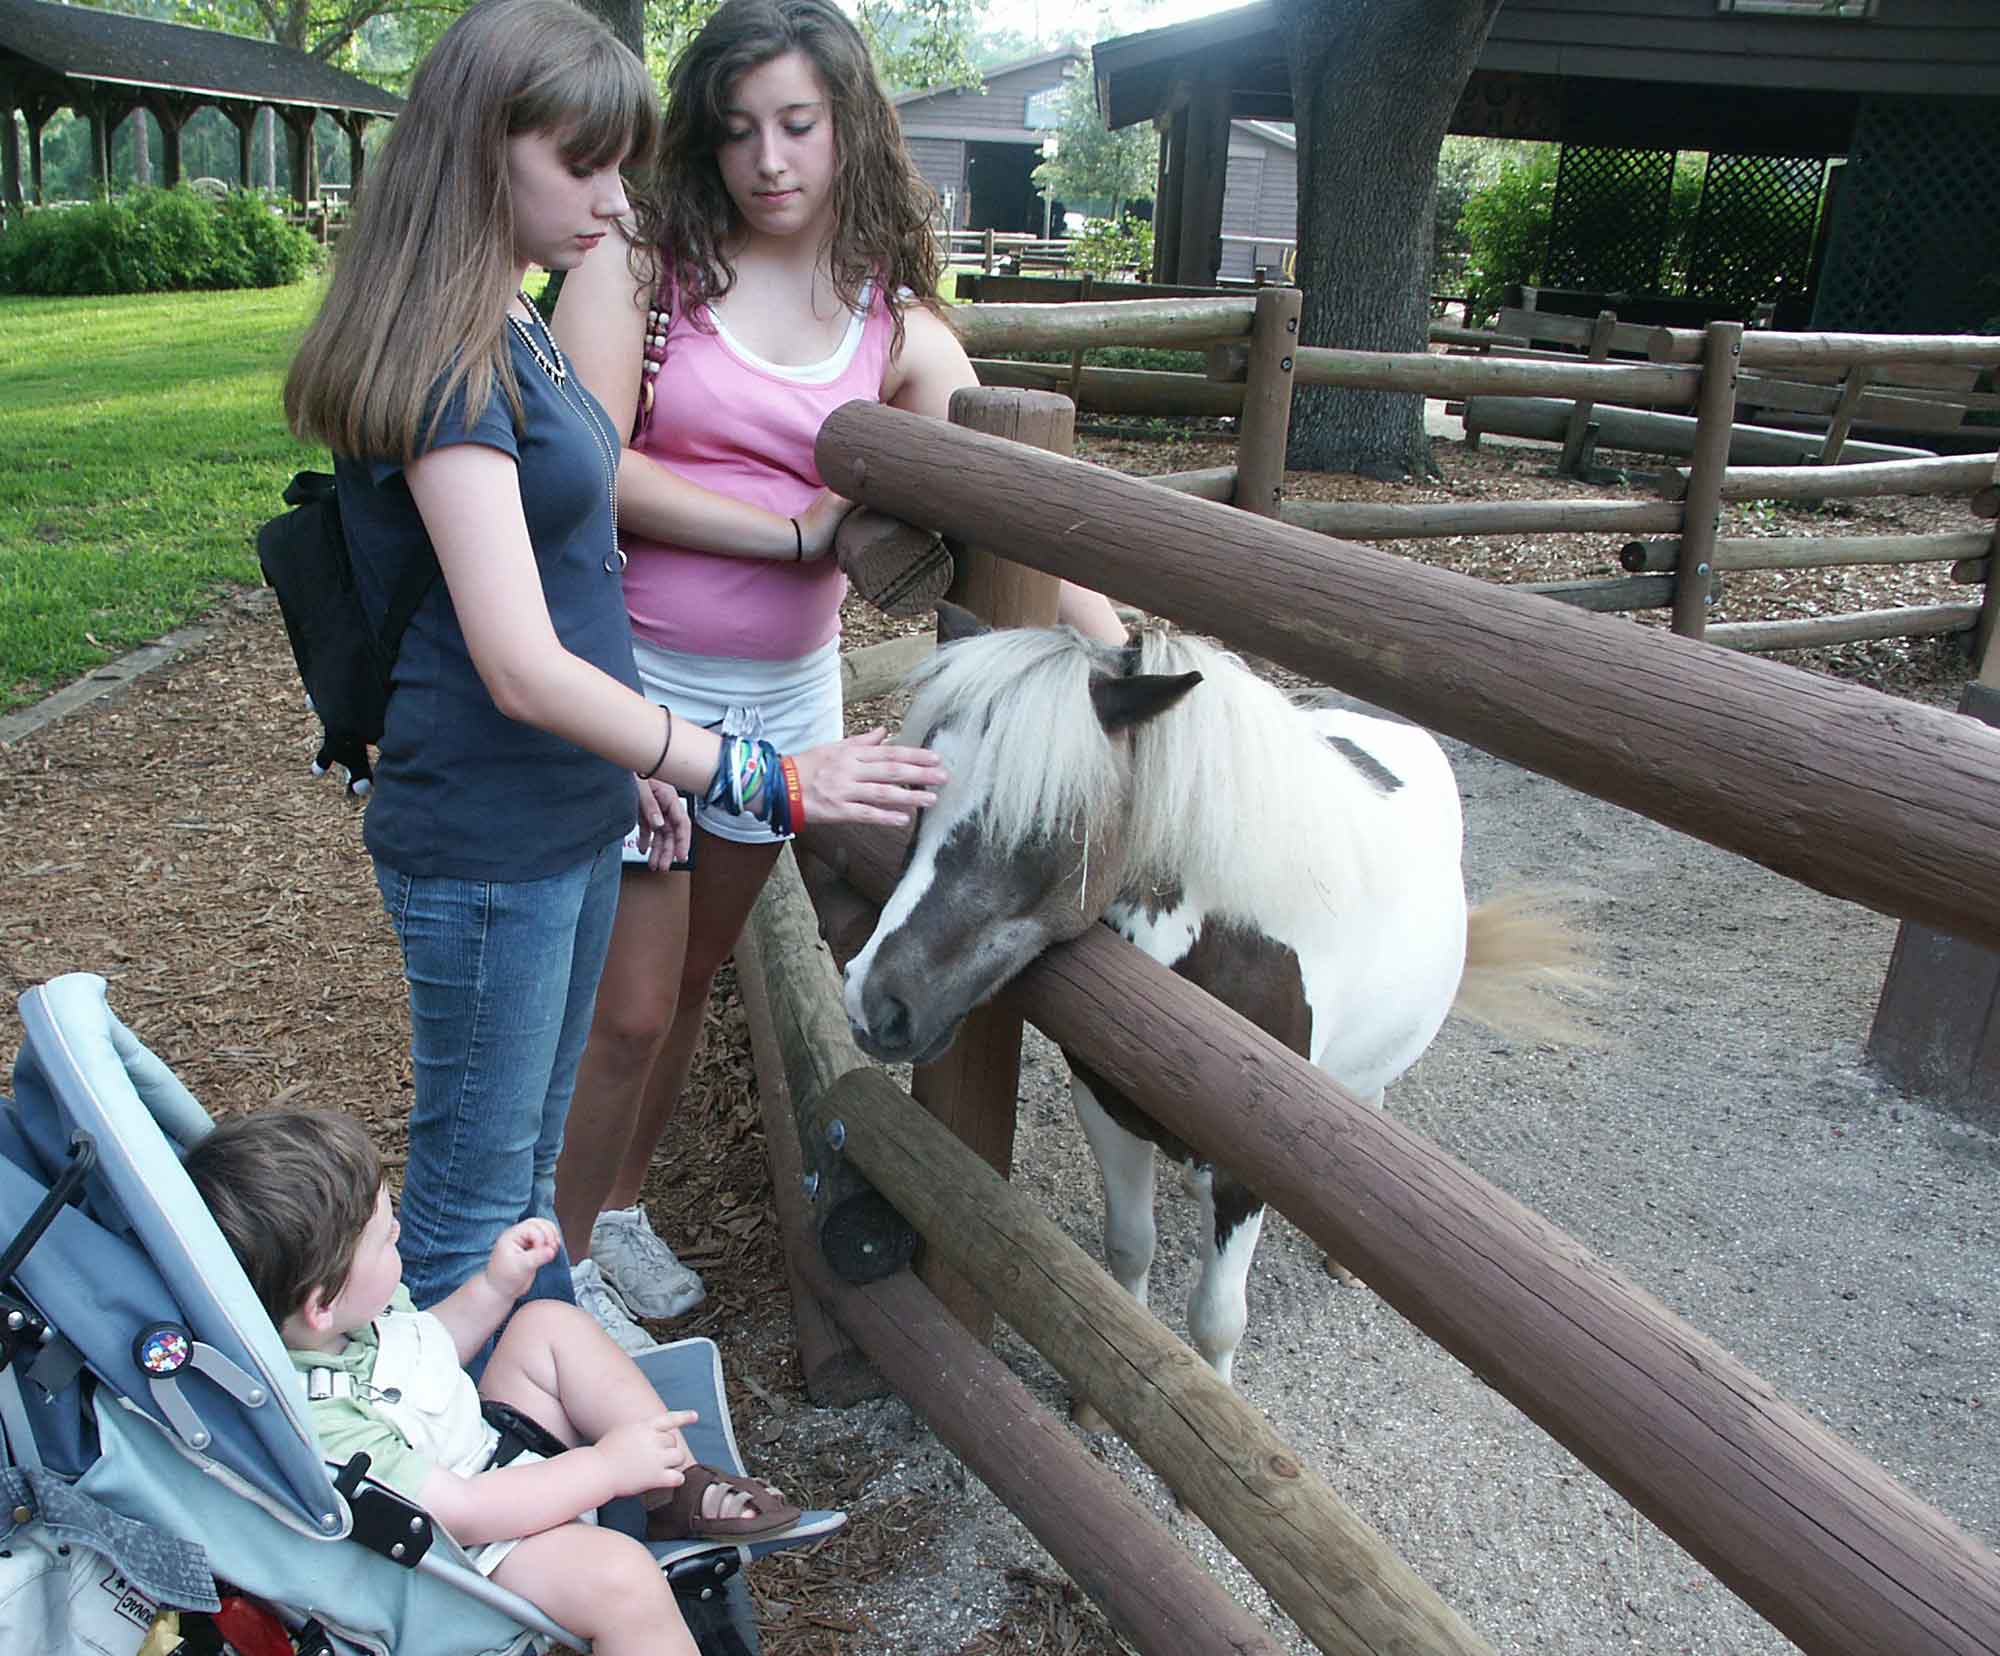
{"points": [[153, 241], [1112, 249], [1506, 231]]}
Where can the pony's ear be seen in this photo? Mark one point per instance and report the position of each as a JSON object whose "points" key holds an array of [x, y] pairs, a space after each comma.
{"points": [[956, 622], [1137, 697]]}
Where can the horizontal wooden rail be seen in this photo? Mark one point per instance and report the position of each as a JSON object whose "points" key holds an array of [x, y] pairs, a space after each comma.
{"points": [[1423, 520], [1763, 349], [1161, 323], [1812, 632], [1650, 432], [1467, 376], [1811, 551], [1117, 390], [1852, 791], [1813, 1536], [1958, 474], [1204, 483], [1606, 597]]}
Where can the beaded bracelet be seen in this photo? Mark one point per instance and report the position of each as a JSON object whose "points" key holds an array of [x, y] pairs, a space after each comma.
{"points": [[750, 780]]}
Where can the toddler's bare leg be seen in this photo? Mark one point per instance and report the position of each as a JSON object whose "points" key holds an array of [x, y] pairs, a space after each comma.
{"points": [[602, 1585], [556, 1366]]}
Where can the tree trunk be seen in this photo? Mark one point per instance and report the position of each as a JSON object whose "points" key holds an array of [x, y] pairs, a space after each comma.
{"points": [[1374, 84], [627, 19]]}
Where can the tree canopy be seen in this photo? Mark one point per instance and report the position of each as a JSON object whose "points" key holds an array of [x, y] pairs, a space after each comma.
{"points": [[1091, 163]]}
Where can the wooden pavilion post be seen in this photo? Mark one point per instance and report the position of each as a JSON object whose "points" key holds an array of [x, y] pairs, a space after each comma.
{"points": [[972, 1089], [1937, 1024], [243, 117], [98, 114], [38, 112], [10, 151], [1715, 413], [354, 124], [1205, 164], [172, 113], [299, 152]]}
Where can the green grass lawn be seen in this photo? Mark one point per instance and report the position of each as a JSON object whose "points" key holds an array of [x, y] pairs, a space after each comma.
{"points": [[141, 443]]}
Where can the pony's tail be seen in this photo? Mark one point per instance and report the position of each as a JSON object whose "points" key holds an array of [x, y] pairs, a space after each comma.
{"points": [[1524, 957]]}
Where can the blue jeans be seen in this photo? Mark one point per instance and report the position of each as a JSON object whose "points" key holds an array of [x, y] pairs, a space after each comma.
{"points": [[503, 979]]}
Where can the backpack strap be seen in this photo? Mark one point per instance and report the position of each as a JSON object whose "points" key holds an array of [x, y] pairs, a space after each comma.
{"points": [[411, 588]]}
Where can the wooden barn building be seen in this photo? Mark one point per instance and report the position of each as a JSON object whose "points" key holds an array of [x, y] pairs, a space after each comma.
{"points": [[1887, 112], [978, 149]]}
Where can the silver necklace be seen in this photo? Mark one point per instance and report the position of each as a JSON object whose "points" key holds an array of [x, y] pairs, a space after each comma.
{"points": [[607, 448]]}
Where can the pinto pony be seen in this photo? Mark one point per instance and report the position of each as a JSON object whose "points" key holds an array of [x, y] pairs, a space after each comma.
{"points": [[1302, 866]]}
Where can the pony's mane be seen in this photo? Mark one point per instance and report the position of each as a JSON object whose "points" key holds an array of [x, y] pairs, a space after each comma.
{"points": [[1225, 781], [1219, 765], [1044, 760]]}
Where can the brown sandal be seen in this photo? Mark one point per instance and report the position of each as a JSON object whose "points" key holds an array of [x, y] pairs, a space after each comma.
{"points": [[897, 567], [675, 1514]]}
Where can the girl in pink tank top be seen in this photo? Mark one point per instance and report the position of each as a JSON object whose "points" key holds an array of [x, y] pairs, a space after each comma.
{"points": [[782, 263]]}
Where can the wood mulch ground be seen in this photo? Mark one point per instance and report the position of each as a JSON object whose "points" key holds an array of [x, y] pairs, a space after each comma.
{"points": [[171, 839]]}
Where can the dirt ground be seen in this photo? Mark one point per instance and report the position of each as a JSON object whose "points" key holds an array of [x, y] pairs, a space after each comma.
{"points": [[1725, 1146]]}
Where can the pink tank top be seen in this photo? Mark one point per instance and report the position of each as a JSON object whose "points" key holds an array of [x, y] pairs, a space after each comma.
{"points": [[725, 418]]}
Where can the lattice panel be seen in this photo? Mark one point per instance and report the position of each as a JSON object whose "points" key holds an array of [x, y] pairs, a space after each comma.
{"points": [[1608, 222], [1753, 234], [1915, 240]]}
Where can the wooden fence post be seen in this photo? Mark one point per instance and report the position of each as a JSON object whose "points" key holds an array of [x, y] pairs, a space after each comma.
{"points": [[1937, 1025], [1266, 422], [972, 1088], [1715, 416], [1842, 419], [1576, 437]]}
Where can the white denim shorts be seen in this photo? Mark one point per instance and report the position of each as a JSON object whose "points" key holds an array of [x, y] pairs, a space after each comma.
{"points": [[790, 704]]}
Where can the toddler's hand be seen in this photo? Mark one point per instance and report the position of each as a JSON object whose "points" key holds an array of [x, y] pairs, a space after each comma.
{"points": [[522, 1250], [647, 1454]]}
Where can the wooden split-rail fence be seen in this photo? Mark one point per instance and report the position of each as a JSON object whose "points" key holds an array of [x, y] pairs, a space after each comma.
{"points": [[1675, 555], [1889, 804]]}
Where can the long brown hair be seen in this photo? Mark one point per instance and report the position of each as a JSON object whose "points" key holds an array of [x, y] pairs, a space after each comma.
{"points": [[416, 309], [881, 205]]}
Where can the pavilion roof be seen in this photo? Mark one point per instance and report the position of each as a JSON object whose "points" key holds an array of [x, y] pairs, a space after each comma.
{"points": [[82, 43]]}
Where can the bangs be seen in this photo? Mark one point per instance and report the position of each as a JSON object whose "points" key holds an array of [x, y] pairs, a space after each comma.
{"points": [[601, 107]]}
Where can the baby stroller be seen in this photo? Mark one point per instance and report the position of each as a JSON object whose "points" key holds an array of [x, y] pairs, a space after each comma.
{"points": [[162, 1487]]}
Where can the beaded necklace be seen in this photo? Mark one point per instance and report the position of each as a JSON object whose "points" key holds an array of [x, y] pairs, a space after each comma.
{"points": [[556, 367]]}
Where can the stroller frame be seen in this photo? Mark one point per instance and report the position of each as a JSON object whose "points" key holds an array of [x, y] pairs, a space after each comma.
{"points": [[148, 1409]]}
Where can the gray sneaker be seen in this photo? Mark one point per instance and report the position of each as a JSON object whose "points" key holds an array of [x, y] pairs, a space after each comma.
{"points": [[602, 1301], [650, 1280]]}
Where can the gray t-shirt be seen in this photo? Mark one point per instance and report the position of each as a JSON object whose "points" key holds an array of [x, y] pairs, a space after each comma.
{"points": [[462, 791]]}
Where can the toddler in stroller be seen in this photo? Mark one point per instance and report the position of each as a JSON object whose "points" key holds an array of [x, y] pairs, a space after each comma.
{"points": [[159, 1442]]}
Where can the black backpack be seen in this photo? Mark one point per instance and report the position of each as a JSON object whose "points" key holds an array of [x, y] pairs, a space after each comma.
{"points": [[343, 662]]}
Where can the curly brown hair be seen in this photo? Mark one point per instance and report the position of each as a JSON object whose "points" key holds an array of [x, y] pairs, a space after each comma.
{"points": [[881, 205]]}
